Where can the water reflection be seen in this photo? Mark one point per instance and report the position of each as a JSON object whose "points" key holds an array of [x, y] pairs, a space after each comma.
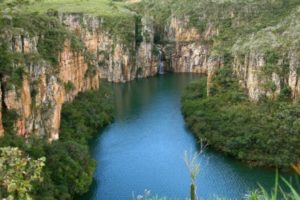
{"points": [[143, 148]]}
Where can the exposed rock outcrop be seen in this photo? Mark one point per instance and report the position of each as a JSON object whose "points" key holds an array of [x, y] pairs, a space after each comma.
{"points": [[269, 60], [192, 49], [146, 61], [38, 100], [115, 60], [1, 124]]}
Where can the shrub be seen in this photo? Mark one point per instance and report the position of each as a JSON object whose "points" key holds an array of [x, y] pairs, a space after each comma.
{"points": [[69, 86], [18, 172], [264, 133], [69, 167]]}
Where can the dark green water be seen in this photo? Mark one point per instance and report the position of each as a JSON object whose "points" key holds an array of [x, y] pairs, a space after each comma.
{"points": [[143, 148]]}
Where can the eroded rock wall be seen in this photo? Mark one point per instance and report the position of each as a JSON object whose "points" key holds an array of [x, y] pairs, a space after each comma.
{"points": [[39, 98], [192, 50], [267, 63], [116, 60]]}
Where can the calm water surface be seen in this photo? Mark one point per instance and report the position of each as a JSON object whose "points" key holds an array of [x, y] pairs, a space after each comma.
{"points": [[143, 148]]}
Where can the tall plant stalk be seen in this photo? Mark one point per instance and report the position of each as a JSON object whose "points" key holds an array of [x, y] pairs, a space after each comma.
{"points": [[191, 161]]}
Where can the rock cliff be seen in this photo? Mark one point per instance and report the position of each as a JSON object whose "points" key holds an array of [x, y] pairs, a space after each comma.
{"points": [[192, 52], [265, 62], [38, 99]]}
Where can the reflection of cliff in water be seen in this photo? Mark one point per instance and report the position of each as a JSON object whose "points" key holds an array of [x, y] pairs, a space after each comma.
{"points": [[129, 98]]}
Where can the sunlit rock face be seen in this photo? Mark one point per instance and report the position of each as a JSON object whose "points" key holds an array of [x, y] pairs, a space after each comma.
{"points": [[1, 124], [191, 50], [116, 60], [196, 51], [249, 69], [38, 100], [191, 53], [252, 58]]}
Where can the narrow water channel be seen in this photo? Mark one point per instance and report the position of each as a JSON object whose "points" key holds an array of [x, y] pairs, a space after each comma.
{"points": [[143, 148]]}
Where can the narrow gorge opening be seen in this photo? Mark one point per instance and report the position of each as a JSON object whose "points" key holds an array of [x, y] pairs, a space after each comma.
{"points": [[66, 65]]}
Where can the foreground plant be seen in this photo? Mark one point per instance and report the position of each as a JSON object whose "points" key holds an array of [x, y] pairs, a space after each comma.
{"points": [[194, 169], [259, 194], [147, 196], [276, 194], [17, 173], [193, 166]]}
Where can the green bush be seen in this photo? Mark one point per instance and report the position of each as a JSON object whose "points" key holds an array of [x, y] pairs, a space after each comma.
{"points": [[69, 167], [69, 86], [264, 133]]}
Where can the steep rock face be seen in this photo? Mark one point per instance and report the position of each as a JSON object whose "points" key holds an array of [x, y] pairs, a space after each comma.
{"points": [[250, 71], [146, 60], [192, 49], [191, 57], [294, 78], [247, 34], [268, 61], [250, 74], [116, 60], [73, 68], [247, 70], [111, 57], [1, 125], [38, 101], [179, 30], [39, 98]]}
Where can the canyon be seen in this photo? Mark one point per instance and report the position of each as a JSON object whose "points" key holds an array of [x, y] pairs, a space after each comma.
{"points": [[111, 59], [223, 72], [38, 100]]}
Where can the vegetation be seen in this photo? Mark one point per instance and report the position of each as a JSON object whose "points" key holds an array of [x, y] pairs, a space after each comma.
{"points": [[147, 196], [16, 26], [68, 168], [69, 86], [260, 194], [277, 192], [289, 193], [87, 114], [242, 25], [250, 131], [94, 7], [117, 19], [18, 172], [265, 133], [194, 169]]}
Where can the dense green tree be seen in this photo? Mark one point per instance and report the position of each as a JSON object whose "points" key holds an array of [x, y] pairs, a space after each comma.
{"points": [[69, 168], [17, 173], [261, 133]]}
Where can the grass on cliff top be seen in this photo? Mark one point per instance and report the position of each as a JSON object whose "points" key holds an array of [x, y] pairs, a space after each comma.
{"points": [[119, 20], [96, 7]]}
